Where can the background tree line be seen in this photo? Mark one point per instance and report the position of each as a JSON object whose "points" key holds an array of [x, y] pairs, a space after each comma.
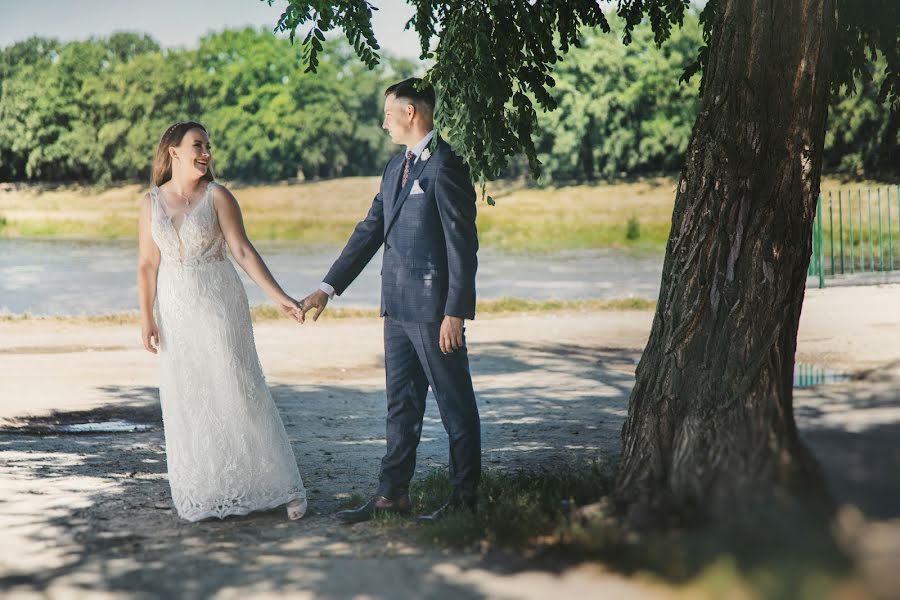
{"points": [[93, 111]]}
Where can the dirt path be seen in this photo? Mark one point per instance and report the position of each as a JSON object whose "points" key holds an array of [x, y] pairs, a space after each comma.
{"points": [[90, 515]]}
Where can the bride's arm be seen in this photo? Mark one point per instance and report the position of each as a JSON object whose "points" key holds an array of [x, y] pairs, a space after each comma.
{"points": [[148, 267], [232, 224]]}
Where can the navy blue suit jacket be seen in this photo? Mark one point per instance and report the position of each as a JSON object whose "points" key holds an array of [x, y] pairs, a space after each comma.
{"points": [[430, 240]]}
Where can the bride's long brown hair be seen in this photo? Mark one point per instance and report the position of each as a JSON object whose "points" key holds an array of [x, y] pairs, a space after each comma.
{"points": [[162, 164]]}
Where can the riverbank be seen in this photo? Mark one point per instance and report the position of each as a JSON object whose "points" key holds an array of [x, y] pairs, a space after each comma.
{"points": [[64, 278], [325, 212], [268, 312], [633, 216], [89, 515]]}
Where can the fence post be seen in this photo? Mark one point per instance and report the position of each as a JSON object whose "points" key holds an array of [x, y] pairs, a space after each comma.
{"points": [[841, 229], [862, 243], [880, 234], [831, 230], [820, 238], [890, 229], [850, 212], [871, 241]]}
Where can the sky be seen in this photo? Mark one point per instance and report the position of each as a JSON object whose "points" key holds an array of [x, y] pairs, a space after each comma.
{"points": [[175, 23]]}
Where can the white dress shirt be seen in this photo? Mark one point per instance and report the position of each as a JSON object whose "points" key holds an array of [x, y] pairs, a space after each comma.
{"points": [[417, 150]]}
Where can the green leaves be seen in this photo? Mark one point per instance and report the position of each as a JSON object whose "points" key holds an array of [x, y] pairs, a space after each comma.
{"points": [[493, 64], [863, 136], [496, 61], [620, 109], [65, 116], [867, 30], [354, 17]]}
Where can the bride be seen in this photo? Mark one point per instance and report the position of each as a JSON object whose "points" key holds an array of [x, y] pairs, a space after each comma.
{"points": [[226, 447]]}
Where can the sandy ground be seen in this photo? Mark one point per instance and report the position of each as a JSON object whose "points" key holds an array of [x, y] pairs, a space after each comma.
{"points": [[90, 515]]}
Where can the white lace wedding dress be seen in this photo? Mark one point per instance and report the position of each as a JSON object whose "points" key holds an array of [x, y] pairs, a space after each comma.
{"points": [[226, 446]]}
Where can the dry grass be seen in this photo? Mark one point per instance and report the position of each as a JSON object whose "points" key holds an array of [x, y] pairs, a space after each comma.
{"points": [[326, 212], [268, 312], [524, 219], [309, 212]]}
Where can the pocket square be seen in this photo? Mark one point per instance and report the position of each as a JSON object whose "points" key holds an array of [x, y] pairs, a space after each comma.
{"points": [[416, 188]]}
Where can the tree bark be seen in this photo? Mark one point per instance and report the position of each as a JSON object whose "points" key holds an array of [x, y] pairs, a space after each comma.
{"points": [[710, 429]]}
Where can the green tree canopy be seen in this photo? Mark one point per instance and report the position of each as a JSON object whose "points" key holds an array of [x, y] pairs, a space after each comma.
{"points": [[94, 110], [496, 61]]}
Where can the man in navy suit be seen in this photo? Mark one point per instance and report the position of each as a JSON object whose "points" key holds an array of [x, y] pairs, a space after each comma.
{"points": [[424, 215]]}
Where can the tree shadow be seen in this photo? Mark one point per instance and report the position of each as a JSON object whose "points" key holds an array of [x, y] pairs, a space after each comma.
{"points": [[542, 407], [122, 535], [853, 429]]}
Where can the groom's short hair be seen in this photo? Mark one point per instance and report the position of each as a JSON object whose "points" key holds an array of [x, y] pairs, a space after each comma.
{"points": [[423, 99]]}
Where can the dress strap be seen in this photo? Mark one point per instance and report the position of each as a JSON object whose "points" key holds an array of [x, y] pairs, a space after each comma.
{"points": [[154, 200]]}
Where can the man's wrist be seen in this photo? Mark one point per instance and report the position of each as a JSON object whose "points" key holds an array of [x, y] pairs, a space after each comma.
{"points": [[327, 288]]}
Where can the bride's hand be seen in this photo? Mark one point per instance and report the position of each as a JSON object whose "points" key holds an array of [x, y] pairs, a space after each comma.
{"points": [[150, 336], [291, 309]]}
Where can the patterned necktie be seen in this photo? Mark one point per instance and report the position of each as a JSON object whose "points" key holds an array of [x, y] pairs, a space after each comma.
{"points": [[410, 157]]}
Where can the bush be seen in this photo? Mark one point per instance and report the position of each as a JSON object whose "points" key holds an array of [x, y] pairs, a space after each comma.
{"points": [[633, 230]]}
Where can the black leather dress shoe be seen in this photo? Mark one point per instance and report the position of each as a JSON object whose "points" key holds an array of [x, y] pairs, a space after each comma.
{"points": [[376, 505], [453, 504]]}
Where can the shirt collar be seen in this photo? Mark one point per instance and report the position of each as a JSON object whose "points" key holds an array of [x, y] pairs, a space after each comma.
{"points": [[419, 147]]}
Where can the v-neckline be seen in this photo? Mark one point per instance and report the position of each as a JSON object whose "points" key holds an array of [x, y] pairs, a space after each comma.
{"points": [[186, 215]]}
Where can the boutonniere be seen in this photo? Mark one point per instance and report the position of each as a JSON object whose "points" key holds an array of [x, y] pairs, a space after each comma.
{"points": [[431, 147]]}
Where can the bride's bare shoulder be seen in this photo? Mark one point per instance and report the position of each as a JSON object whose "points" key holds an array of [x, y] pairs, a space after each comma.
{"points": [[221, 194]]}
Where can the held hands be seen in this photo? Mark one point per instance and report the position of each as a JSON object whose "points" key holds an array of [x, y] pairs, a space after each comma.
{"points": [[291, 309], [318, 300], [150, 336], [451, 334]]}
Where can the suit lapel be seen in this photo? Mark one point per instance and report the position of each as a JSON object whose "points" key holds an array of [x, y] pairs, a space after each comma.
{"points": [[404, 192], [391, 184]]}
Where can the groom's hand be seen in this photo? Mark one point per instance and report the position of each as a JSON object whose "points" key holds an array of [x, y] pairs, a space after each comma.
{"points": [[318, 300], [451, 334]]}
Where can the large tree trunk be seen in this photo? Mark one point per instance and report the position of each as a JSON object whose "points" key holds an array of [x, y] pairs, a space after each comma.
{"points": [[710, 428]]}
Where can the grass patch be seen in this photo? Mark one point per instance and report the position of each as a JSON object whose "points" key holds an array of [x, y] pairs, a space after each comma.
{"points": [[525, 219], [515, 305], [514, 509], [352, 501], [780, 557], [268, 312], [122, 318], [633, 215]]}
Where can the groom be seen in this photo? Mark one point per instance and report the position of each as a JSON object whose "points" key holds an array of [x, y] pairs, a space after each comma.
{"points": [[424, 215]]}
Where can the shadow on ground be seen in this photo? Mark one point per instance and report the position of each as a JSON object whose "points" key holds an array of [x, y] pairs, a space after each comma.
{"points": [[541, 407], [102, 501]]}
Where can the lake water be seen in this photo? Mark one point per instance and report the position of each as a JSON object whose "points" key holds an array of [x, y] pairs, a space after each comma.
{"points": [[53, 277]]}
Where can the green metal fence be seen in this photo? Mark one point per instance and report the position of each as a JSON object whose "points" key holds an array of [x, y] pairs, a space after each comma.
{"points": [[806, 375], [854, 232]]}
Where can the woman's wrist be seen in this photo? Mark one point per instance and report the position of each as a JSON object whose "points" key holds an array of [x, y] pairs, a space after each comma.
{"points": [[281, 298]]}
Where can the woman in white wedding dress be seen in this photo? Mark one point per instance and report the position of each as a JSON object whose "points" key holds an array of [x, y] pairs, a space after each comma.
{"points": [[226, 446]]}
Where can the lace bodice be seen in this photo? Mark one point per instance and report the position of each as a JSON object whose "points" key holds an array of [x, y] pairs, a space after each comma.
{"points": [[197, 239]]}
